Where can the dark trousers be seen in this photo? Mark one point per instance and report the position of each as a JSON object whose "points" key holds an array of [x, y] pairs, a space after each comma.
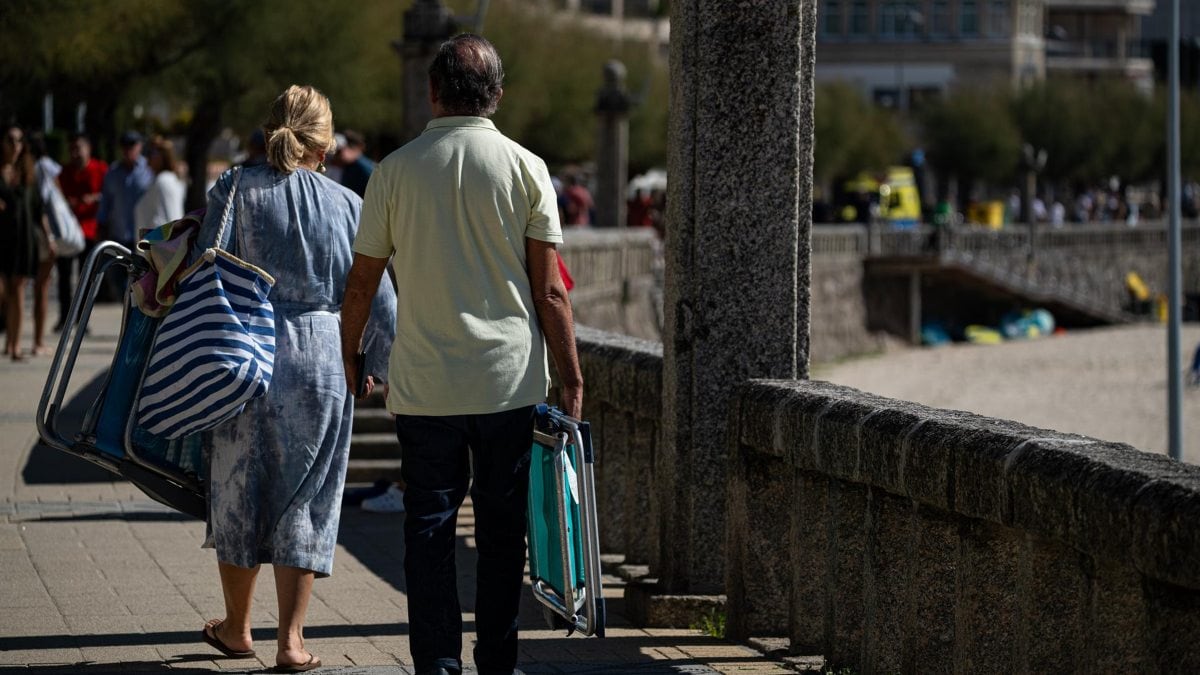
{"points": [[440, 457]]}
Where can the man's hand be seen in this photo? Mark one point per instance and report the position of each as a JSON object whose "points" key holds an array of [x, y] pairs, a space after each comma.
{"points": [[351, 366], [571, 401]]}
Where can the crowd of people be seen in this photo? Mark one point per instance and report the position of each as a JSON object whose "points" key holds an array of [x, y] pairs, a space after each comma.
{"points": [[145, 187], [577, 207]]}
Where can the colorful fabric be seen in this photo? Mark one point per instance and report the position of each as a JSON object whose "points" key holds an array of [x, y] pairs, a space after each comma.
{"points": [[166, 249]]}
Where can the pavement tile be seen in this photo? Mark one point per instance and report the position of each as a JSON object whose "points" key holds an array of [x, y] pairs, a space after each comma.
{"points": [[33, 657], [117, 654], [91, 605], [104, 624]]}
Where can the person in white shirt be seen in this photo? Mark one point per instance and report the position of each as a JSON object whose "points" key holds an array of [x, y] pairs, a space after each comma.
{"points": [[163, 201]]}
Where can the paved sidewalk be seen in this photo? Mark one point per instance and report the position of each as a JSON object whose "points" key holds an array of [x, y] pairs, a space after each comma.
{"points": [[97, 578]]}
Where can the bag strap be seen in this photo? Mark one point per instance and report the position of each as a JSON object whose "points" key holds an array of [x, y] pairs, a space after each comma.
{"points": [[237, 177]]}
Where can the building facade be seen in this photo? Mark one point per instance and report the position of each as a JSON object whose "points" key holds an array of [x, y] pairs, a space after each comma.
{"points": [[1099, 39], [902, 51]]}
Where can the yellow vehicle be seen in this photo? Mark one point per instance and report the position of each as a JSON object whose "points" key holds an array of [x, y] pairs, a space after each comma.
{"points": [[896, 195], [899, 201], [989, 213]]}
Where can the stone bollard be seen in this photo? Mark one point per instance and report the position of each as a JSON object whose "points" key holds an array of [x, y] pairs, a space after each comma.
{"points": [[612, 147]]}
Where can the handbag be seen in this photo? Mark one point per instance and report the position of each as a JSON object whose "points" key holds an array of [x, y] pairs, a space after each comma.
{"points": [[64, 226], [215, 349]]}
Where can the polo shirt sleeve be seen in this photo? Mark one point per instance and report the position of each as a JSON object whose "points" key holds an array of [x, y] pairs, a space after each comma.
{"points": [[374, 236], [543, 204]]}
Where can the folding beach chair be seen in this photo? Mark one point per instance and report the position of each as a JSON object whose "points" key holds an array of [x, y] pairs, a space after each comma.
{"points": [[169, 471], [564, 536]]}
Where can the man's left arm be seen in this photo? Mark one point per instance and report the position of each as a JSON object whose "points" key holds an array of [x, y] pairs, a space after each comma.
{"points": [[556, 321]]}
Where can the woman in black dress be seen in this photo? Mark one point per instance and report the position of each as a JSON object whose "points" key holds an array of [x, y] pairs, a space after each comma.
{"points": [[25, 243]]}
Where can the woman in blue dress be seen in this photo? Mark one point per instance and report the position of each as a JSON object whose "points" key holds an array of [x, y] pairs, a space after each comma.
{"points": [[278, 469]]}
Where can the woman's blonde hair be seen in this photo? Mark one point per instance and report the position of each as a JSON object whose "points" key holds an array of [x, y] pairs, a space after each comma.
{"points": [[300, 120]]}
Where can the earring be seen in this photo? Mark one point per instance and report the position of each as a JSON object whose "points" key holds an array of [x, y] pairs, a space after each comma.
{"points": [[321, 167]]}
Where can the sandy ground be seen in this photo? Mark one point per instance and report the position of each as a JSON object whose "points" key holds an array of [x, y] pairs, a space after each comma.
{"points": [[1106, 383]]}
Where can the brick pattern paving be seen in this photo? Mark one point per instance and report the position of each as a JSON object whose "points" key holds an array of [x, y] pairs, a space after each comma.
{"points": [[97, 578]]}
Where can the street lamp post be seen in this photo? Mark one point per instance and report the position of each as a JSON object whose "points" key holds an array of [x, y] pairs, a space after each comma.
{"points": [[1033, 161], [1174, 244]]}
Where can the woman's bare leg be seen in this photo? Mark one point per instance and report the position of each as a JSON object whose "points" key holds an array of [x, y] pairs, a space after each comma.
{"points": [[14, 309], [237, 583], [41, 301], [293, 586]]}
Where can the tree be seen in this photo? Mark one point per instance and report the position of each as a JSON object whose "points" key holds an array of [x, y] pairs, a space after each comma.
{"points": [[970, 134], [551, 84], [1090, 131], [852, 135]]}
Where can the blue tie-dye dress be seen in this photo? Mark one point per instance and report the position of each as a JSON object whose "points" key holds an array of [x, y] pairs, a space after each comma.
{"points": [[278, 469]]}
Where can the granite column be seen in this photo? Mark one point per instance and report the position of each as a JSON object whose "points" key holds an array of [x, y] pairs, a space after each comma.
{"points": [[737, 261]]}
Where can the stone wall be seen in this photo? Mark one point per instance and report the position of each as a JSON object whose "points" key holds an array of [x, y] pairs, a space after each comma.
{"points": [[622, 399], [840, 324], [618, 274], [892, 537]]}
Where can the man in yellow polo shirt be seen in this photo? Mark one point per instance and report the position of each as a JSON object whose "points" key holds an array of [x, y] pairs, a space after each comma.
{"points": [[472, 222]]}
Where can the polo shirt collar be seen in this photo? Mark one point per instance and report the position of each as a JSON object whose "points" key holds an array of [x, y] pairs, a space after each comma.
{"points": [[455, 121]]}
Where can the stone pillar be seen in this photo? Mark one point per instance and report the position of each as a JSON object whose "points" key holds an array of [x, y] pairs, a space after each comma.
{"points": [[427, 24], [737, 259], [612, 147]]}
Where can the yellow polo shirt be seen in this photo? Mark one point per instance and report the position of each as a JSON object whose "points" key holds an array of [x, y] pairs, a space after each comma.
{"points": [[455, 207]]}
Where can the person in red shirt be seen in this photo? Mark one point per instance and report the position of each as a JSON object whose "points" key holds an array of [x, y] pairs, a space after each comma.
{"points": [[80, 181], [579, 202]]}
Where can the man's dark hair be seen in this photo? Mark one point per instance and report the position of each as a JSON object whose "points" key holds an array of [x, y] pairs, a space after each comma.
{"points": [[80, 136], [354, 139], [467, 76], [37, 144]]}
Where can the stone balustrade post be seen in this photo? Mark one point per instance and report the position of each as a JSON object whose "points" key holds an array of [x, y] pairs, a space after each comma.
{"points": [[737, 260]]}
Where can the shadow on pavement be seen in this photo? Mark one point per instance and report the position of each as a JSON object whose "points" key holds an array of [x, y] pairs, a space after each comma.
{"points": [[267, 635], [49, 466], [124, 516]]}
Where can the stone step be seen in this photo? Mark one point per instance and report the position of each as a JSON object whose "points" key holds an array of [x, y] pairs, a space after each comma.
{"points": [[370, 470], [374, 446], [375, 400], [374, 421]]}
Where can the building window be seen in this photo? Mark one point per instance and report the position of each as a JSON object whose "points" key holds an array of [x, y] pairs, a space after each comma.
{"points": [[939, 18], [831, 18], [859, 18], [999, 18], [899, 19], [968, 18]]}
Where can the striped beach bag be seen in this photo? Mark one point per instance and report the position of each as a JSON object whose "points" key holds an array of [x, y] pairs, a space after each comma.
{"points": [[215, 349]]}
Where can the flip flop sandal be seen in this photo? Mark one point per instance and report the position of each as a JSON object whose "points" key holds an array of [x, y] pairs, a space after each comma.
{"points": [[312, 663], [209, 635]]}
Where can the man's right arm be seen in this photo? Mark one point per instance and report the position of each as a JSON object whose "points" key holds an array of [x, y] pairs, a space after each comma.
{"points": [[556, 321], [361, 285]]}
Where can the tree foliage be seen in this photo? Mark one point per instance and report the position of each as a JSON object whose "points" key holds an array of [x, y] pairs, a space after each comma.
{"points": [[1090, 131], [971, 134], [551, 84], [219, 63], [852, 135]]}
